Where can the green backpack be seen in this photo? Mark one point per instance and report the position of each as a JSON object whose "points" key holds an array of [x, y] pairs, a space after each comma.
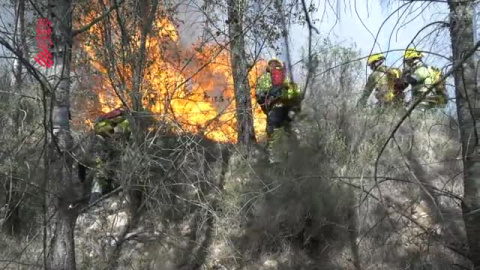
{"points": [[394, 75], [440, 90]]}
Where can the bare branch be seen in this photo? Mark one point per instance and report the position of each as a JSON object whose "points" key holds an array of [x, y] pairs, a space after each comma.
{"points": [[98, 19], [465, 57]]}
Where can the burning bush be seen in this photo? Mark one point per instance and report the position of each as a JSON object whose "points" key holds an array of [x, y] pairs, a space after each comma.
{"points": [[191, 88]]}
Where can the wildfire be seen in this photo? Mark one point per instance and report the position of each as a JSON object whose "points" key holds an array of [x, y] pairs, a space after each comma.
{"points": [[189, 87]]}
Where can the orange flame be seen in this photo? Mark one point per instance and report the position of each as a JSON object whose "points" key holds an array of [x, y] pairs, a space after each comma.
{"points": [[199, 95]]}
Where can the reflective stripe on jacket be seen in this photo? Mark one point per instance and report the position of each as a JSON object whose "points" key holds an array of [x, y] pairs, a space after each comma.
{"points": [[290, 94], [421, 78], [383, 82]]}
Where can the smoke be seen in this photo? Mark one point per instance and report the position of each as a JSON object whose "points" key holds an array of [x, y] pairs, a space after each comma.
{"points": [[193, 24]]}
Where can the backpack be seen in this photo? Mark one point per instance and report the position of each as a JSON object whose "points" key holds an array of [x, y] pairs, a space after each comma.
{"points": [[440, 89], [105, 124], [278, 76], [112, 114], [394, 78]]}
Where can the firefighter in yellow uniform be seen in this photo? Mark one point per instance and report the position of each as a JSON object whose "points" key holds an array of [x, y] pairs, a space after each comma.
{"points": [[422, 77], [279, 98], [110, 129], [384, 82]]}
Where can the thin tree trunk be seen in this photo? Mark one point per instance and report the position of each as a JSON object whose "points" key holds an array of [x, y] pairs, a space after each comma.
{"points": [[461, 31], [12, 222], [353, 235], [11, 225], [22, 44], [140, 60], [62, 253], [139, 66], [285, 44], [245, 131]]}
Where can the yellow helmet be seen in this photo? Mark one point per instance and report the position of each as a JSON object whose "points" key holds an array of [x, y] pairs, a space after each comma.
{"points": [[412, 53], [374, 58], [280, 63]]}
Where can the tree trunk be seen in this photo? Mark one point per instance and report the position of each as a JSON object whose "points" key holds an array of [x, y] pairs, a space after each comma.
{"points": [[461, 31], [139, 65], [12, 222], [62, 253], [284, 44], [11, 226], [21, 40], [245, 131]]}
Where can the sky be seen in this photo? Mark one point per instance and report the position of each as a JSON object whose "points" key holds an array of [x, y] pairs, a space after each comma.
{"points": [[392, 24], [359, 22], [370, 26], [354, 22]]}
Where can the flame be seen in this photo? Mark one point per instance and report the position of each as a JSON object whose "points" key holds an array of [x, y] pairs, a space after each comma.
{"points": [[198, 96]]}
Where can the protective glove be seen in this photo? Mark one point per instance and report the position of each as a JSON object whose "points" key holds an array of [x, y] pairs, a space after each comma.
{"points": [[291, 114]]}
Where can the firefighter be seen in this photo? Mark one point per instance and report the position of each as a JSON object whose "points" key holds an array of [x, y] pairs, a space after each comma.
{"points": [[278, 97], [422, 77], [110, 129], [384, 82]]}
